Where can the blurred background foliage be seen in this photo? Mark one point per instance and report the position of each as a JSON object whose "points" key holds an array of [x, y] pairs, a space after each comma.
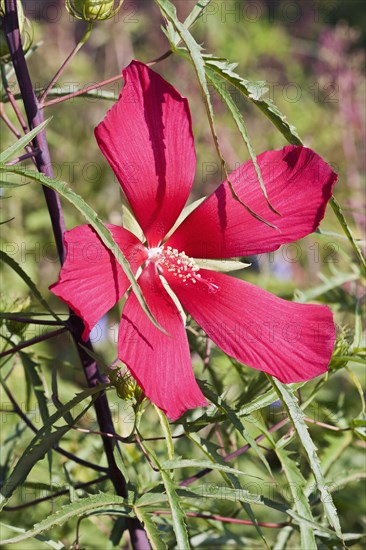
{"points": [[310, 54]]}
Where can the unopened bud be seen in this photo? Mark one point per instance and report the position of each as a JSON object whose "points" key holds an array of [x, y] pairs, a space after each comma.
{"points": [[126, 386], [21, 305], [93, 10], [341, 349]]}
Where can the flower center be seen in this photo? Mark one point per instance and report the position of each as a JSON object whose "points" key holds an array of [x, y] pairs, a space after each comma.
{"points": [[179, 265], [174, 262]]}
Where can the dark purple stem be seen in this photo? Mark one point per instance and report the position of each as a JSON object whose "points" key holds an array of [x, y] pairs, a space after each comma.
{"points": [[54, 495], [43, 161], [32, 341], [35, 117], [32, 321], [17, 410]]}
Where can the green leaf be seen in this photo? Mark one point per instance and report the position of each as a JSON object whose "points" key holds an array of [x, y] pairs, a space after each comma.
{"points": [[92, 217], [221, 265], [234, 419], [198, 463], [359, 426], [150, 528], [22, 142], [6, 184], [301, 503], [173, 36], [304, 296], [70, 511], [357, 340], [195, 55], [254, 92], [210, 450], [196, 13], [166, 431], [262, 401], [358, 386], [129, 222], [31, 368], [19, 270], [178, 517], [210, 490], [156, 496], [255, 404], [169, 11], [347, 230], [184, 214], [43, 441], [239, 121], [296, 415], [45, 540]]}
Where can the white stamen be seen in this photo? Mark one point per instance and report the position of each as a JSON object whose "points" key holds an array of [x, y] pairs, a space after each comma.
{"points": [[179, 265]]}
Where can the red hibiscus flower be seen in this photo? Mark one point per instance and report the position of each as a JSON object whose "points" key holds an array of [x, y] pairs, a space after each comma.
{"points": [[147, 139]]}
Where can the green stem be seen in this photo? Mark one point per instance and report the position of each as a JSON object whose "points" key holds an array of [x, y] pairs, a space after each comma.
{"points": [[342, 220]]}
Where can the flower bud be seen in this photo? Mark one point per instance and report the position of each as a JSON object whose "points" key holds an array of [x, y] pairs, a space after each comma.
{"points": [[126, 386], [21, 305], [341, 349], [4, 50], [92, 10]]}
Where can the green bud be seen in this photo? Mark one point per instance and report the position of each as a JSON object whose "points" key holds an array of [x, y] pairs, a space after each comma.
{"points": [[21, 305], [126, 386], [341, 349], [92, 10]]}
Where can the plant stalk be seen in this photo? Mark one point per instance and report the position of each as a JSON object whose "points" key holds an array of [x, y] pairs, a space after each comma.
{"points": [[43, 161]]}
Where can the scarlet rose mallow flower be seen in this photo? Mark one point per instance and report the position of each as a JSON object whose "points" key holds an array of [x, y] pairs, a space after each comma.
{"points": [[147, 139]]}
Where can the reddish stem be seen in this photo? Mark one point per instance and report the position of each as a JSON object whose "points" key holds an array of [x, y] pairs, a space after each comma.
{"points": [[224, 519], [98, 85], [81, 92], [235, 454], [26, 156], [8, 122], [68, 60]]}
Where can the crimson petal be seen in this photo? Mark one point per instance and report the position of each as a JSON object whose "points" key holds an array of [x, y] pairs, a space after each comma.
{"points": [[147, 139], [91, 281], [161, 364], [299, 184], [290, 341]]}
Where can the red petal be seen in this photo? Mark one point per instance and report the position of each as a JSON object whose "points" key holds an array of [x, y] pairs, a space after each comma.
{"points": [[161, 364], [290, 341], [147, 139], [91, 280], [299, 184]]}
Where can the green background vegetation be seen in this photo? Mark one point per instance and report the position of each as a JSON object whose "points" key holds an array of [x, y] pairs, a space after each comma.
{"points": [[310, 54]]}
